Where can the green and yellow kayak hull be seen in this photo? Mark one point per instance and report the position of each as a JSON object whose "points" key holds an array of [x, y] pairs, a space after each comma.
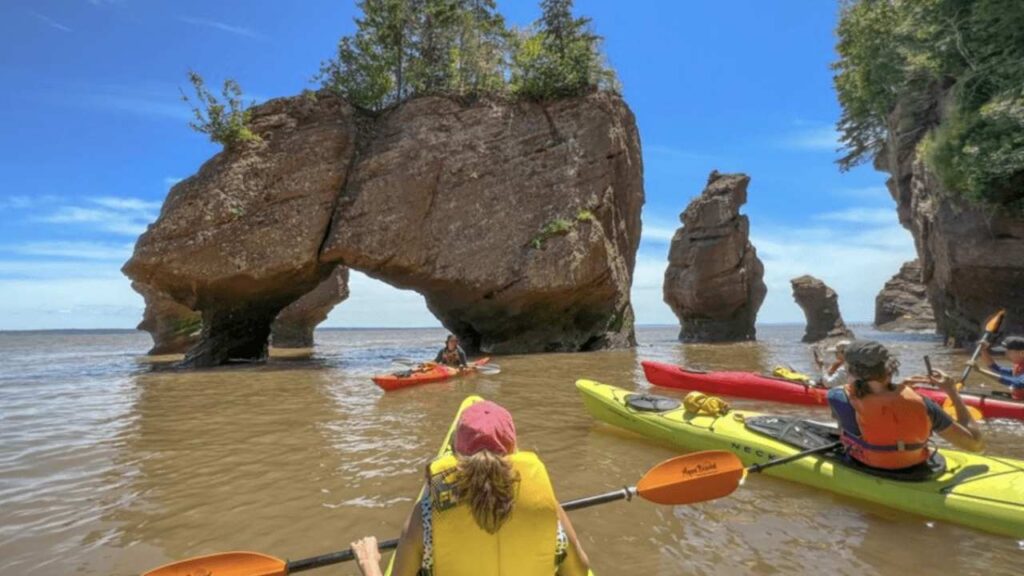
{"points": [[978, 491]]}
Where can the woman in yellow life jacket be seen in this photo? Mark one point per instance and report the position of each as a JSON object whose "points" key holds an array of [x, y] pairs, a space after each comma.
{"points": [[488, 509], [888, 425]]}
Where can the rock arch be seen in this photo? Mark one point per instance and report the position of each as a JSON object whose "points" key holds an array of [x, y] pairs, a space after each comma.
{"points": [[518, 222]]}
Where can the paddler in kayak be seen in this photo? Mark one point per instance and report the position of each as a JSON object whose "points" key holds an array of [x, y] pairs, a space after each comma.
{"points": [[835, 374], [1012, 377], [489, 508], [452, 354], [886, 425]]}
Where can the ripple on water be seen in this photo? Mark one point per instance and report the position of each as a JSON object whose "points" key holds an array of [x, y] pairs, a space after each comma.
{"points": [[111, 466]]}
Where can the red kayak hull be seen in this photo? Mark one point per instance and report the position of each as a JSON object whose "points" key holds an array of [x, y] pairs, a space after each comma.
{"points": [[759, 387], [739, 384], [398, 380]]}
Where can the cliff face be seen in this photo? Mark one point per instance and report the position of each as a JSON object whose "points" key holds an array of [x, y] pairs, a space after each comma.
{"points": [[714, 281], [972, 259], [519, 223], [902, 304], [821, 308]]}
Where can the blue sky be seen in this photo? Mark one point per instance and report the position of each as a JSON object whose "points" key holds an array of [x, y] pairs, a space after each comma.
{"points": [[94, 134]]}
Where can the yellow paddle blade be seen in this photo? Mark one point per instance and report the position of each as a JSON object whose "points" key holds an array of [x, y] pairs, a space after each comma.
{"points": [[692, 478], [950, 409], [995, 321], [224, 564]]}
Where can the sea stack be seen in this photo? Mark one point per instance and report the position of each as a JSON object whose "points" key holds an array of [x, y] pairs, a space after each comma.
{"points": [[715, 282], [517, 221], [821, 308], [902, 305]]}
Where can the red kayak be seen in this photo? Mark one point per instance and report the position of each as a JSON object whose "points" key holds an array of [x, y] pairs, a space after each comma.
{"points": [[413, 377], [759, 387]]}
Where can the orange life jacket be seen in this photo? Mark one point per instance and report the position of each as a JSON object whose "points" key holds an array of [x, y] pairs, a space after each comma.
{"points": [[894, 429]]}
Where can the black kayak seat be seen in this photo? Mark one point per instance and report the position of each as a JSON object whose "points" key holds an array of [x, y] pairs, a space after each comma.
{"points": [[651, 402], [808, 434]]}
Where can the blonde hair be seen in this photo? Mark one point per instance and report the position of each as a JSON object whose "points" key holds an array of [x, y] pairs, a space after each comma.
{"points": [[487, 483]]}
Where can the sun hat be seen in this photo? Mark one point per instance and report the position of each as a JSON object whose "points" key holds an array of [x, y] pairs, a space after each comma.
{"points": [[485, 426]]}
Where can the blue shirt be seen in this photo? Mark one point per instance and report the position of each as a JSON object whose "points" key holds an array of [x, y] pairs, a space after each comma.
{"points": [[1007, 377], [844, 413]]}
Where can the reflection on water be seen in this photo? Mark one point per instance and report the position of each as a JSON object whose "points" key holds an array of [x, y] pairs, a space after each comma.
{"points": [[109, 466]]}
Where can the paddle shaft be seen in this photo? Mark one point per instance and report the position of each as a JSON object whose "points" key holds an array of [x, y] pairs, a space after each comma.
{"points": [[797, 456], [991, 326], [346, 555]]}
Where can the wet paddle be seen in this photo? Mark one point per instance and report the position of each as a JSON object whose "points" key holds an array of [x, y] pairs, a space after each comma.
{"points": [[991, 327], [686, 479], [488, 369]]}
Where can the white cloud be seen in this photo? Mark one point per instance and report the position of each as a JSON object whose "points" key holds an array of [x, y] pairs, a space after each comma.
{"points": [[18, 202], [864, 194], [677, 153], [854, 263], [223, 27], [146, 100], [819, 138], [860, 215], [50, 22], [373, 303], [123, 216], [118, 252], [657, 234], [65, 302]]}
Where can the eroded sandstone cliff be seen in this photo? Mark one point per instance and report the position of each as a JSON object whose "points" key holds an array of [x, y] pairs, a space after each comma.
{"points": [[902, 304], [714, 280], [518, 222], [972, 258]]}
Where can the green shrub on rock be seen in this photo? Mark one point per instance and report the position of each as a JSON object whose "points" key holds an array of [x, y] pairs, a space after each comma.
{"points": [[223, 121]]}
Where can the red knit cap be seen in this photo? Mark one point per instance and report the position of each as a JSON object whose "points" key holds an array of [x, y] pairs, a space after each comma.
{"points": [[485, 426]]}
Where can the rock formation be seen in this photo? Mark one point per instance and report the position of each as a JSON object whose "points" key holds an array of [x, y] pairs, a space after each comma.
{"points": [[518, 222], [176, 328], [293, 327], [903, 305], [821, 308], [714, 281], [240, 240], [173, 327], [972, 259]]}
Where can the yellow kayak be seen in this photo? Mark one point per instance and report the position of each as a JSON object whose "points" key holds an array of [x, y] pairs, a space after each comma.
{"points": [[982, 492]]}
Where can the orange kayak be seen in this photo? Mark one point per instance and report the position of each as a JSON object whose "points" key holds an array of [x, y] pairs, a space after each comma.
{"points": [[413, 377]]}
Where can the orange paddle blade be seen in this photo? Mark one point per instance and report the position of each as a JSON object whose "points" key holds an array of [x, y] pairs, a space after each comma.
{"points": [[225, 564], [692, 478], [950, 409], [995, 321]]}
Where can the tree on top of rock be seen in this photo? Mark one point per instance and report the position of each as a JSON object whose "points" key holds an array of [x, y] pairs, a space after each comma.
{"points": [[561, 56], [407, 48], [370, 67]]}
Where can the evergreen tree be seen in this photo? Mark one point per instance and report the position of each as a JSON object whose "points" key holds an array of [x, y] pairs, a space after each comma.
{"points": [[370, 67], [560, 57], [433, 48], [481, 49], [404, 48]]}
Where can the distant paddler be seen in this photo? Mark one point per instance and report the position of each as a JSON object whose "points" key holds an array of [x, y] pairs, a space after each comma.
{"points": [[835, 373], [452, 354], [1012, 377]]}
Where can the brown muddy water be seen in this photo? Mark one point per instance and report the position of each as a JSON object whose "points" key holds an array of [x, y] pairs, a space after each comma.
{"points": [[108, 466]]}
